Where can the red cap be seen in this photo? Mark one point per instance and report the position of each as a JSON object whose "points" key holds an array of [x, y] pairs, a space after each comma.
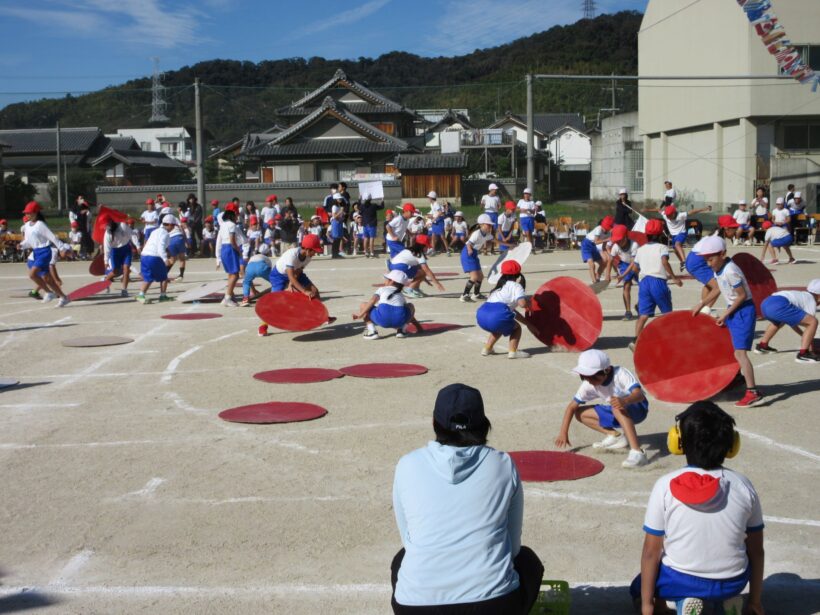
{"points": [[693, 488], [607, 223], [653, 227], [312, 242], [270, 198], [3, 221], [408, 207], [277, 217], [32, 207], [510, 267], [767, 225], [509, 205], [209, 218], [389, 211], [253, 220], [131, 221], [727, 221], [232, 207], [215, 202], [422, 240], [619, 231], [75, 224], [149, 201], [670, 211]]}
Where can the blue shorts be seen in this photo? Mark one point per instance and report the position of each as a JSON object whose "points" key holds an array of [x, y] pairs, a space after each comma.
{"points": [[698, 269], [781, 312], [496, 318], [589, 251], [637, 412], [782, 242], [280, 281], [370, 232], [632, 277], [41, 260], [119, 257], [460, 236], [437, 227], [674, 585], [744, 227], [336, 230], [680, 238], [146, 233], [394, 247], [153, 269], [177, 246], [654, 293], [526, 225], [390, 316], [410, 271], [256, 269], [469, 263], [230, 259], [741, 324], [493, 216]]}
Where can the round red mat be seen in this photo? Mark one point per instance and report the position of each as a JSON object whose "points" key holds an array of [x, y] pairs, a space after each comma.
{"points": [[761, 281], [567, 313], [298, 375], [96, 340], [383, 370], [546, 466], [192, 316], [433, 327], [638, 237], [273, 412], [89, 290], [97, 266], [291, 311], [683, 358]]}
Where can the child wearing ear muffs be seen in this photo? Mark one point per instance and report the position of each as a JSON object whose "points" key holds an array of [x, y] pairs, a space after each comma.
{"points": [[703, 524]]}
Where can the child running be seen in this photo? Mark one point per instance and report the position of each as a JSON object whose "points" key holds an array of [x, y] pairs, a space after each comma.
{"points": [[498, 315], [388, 308], [414, 264], [117, 253], [625, 405], [739, 316], [624, 249], [470, 264], [796, 309], [154, 261], [592, 248], [39, 238], [776, 238], [396, 229], [676, 225]]}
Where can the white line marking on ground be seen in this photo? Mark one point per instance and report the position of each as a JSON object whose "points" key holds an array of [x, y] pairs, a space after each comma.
{"points": [[766, 364], [74, 565], [786, 447], [180, 403], [174, 364], [13, 446], [147, 491], [39, 405], [262, 499]]}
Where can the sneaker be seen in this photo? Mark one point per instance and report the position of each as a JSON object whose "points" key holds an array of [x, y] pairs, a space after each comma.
{"points": [[612, 442], [774, 261], [733, 606], [635, 459], [518, 354], [478, 297], [751, 398], [627, 316], [747, 243], [48, 297], [631, 346], [123, 293], [807, 356], [262, 331], [64, 301], [466, 299], [762, 348], [400, 334], [407, 291], [246, 302], [486, 352], [34, 294], [142, 299], [226, 301], [416, 293], [682, 267], [166, 298], [690, 606], [792, 261], [370, 335]]}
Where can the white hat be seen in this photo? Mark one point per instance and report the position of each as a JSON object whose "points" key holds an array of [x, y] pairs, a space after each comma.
{"points": [[780, 200], [493, 187], [591, 362], [622, 191], [165, 210], [338, 197], [484, 219], [397, 276], [814, 286], [459, 214], [169, 219], [315, 217], [741, 202], [527, 191], [798, 195], [264, 249], [432, 195], [710, 245], [538, 203]]}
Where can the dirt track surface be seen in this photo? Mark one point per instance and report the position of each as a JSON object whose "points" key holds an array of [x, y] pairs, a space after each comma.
{"points": [[123, 492]]}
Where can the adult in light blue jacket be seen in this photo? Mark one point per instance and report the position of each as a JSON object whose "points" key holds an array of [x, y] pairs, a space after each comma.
{"points": [[459, 507]]}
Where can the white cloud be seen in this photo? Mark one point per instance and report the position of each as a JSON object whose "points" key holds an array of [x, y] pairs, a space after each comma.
{"points": [[344, 18]]}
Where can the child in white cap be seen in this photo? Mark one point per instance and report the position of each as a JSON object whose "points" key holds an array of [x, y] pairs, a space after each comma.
{"points": [[526, 215], [625, 405], [154, 260], [780, 216], [460, 228], [744, 220], [469, 258], [388, 308], [796, 309]]}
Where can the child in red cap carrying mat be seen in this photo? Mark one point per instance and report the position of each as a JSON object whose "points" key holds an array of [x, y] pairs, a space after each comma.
{"points": [[592, 248], [796, 309], [676, 225], [703, 526], [739, 316], [388, 308], [498, 315]]}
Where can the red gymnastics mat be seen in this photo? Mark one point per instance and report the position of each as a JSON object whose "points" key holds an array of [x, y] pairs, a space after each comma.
{"points": [[298, 375], [97, 266], [89, 290], [548, 466], [566, 313], [96, 340], [192, 316], [682, 358], [273, 412], [433, 327], [383, 370], [291, 311], [761, 281]]}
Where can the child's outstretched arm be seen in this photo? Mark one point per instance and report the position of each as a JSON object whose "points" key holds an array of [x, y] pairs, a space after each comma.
{"points": [[754, 550], [669, 272], [650, 561], [562, 440], [707, 300], [366, 307]]}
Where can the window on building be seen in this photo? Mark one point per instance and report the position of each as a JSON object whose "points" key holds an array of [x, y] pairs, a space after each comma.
{"points": [[633, 166], [286, 173], [117, 170], [388, 127], [804, 136], [145, 146], [809, 54], [336, 171], [170, 149]]}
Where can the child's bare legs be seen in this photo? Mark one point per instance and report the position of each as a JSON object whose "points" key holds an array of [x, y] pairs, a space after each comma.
{"points": [[789, 252], [52, 285], [163, 287], [588, 417], [38, 280], [515, 337], [491, 340], [232, 278], [746, 368], [593, 276], [627, 295], [678, 247], [55, 276], [628, 425], [770, 332], [126, 276], [807, 338], [640, 324]]}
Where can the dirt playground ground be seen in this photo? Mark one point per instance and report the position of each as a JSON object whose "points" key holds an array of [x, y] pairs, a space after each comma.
{"points": [[121, 490]]}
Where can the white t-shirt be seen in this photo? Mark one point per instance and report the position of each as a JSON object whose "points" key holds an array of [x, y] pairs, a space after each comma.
{"points": [[121, 237], [801, 299], [406, 257], [729, 279], [390, 295], [705, 540], [75, 237], [526, 209], [793, 204], [509, 294], [460, 228], [781, 216], [268, 213], [678, 225], [157, 244], [38, 235], [415, 225], [436, 210], [776, 232], [399, 227], [761, 206], [598, 233], [491, 203], [150, 218], [290, 259], [650, 260], [479, 239], [620, 384], [208, 233], [505, 222], [742, 217], [226, 229], [671, 194], [626, 255]]}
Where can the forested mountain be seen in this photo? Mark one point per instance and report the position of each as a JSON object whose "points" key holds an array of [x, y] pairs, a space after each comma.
{"points": [[242, 96]]}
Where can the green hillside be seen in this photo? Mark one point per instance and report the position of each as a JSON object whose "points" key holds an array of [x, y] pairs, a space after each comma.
{"points": [[242, 96]]}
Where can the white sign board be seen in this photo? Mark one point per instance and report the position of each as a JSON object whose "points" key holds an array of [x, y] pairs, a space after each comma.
{"points": [[374, 189]]}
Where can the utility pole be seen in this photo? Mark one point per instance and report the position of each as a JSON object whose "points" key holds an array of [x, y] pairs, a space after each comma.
{"points": [[200, 147], [59, 173], [65, 183], [530, 136], [612, 109]]}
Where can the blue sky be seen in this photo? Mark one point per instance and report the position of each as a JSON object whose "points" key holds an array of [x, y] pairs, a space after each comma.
{"points": [[80, 45]]}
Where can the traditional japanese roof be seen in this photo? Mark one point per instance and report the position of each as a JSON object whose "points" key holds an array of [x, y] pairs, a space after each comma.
{"points": [[44, 140], [131, 157], [248, 141], [405, 162], [450, 118]]}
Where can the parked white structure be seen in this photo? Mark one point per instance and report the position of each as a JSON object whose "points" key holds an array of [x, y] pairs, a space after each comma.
{"points": [[571, 147], [716, 140], [175, 141], [617, 158]]}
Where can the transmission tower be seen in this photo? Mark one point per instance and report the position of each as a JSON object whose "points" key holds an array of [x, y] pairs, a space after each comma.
{"points": [[158, 104], [589, 9]]}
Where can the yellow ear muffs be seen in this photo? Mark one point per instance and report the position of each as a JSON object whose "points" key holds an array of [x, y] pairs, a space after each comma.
{"points": [[735, 445], [673, 441]]}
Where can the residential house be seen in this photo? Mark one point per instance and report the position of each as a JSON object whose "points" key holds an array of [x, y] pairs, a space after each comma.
{"points": [[178, 142], [125, 164], [617, 158]]}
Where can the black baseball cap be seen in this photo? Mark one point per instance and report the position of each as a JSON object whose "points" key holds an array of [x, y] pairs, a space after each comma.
{"points": [[459, 407]]}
